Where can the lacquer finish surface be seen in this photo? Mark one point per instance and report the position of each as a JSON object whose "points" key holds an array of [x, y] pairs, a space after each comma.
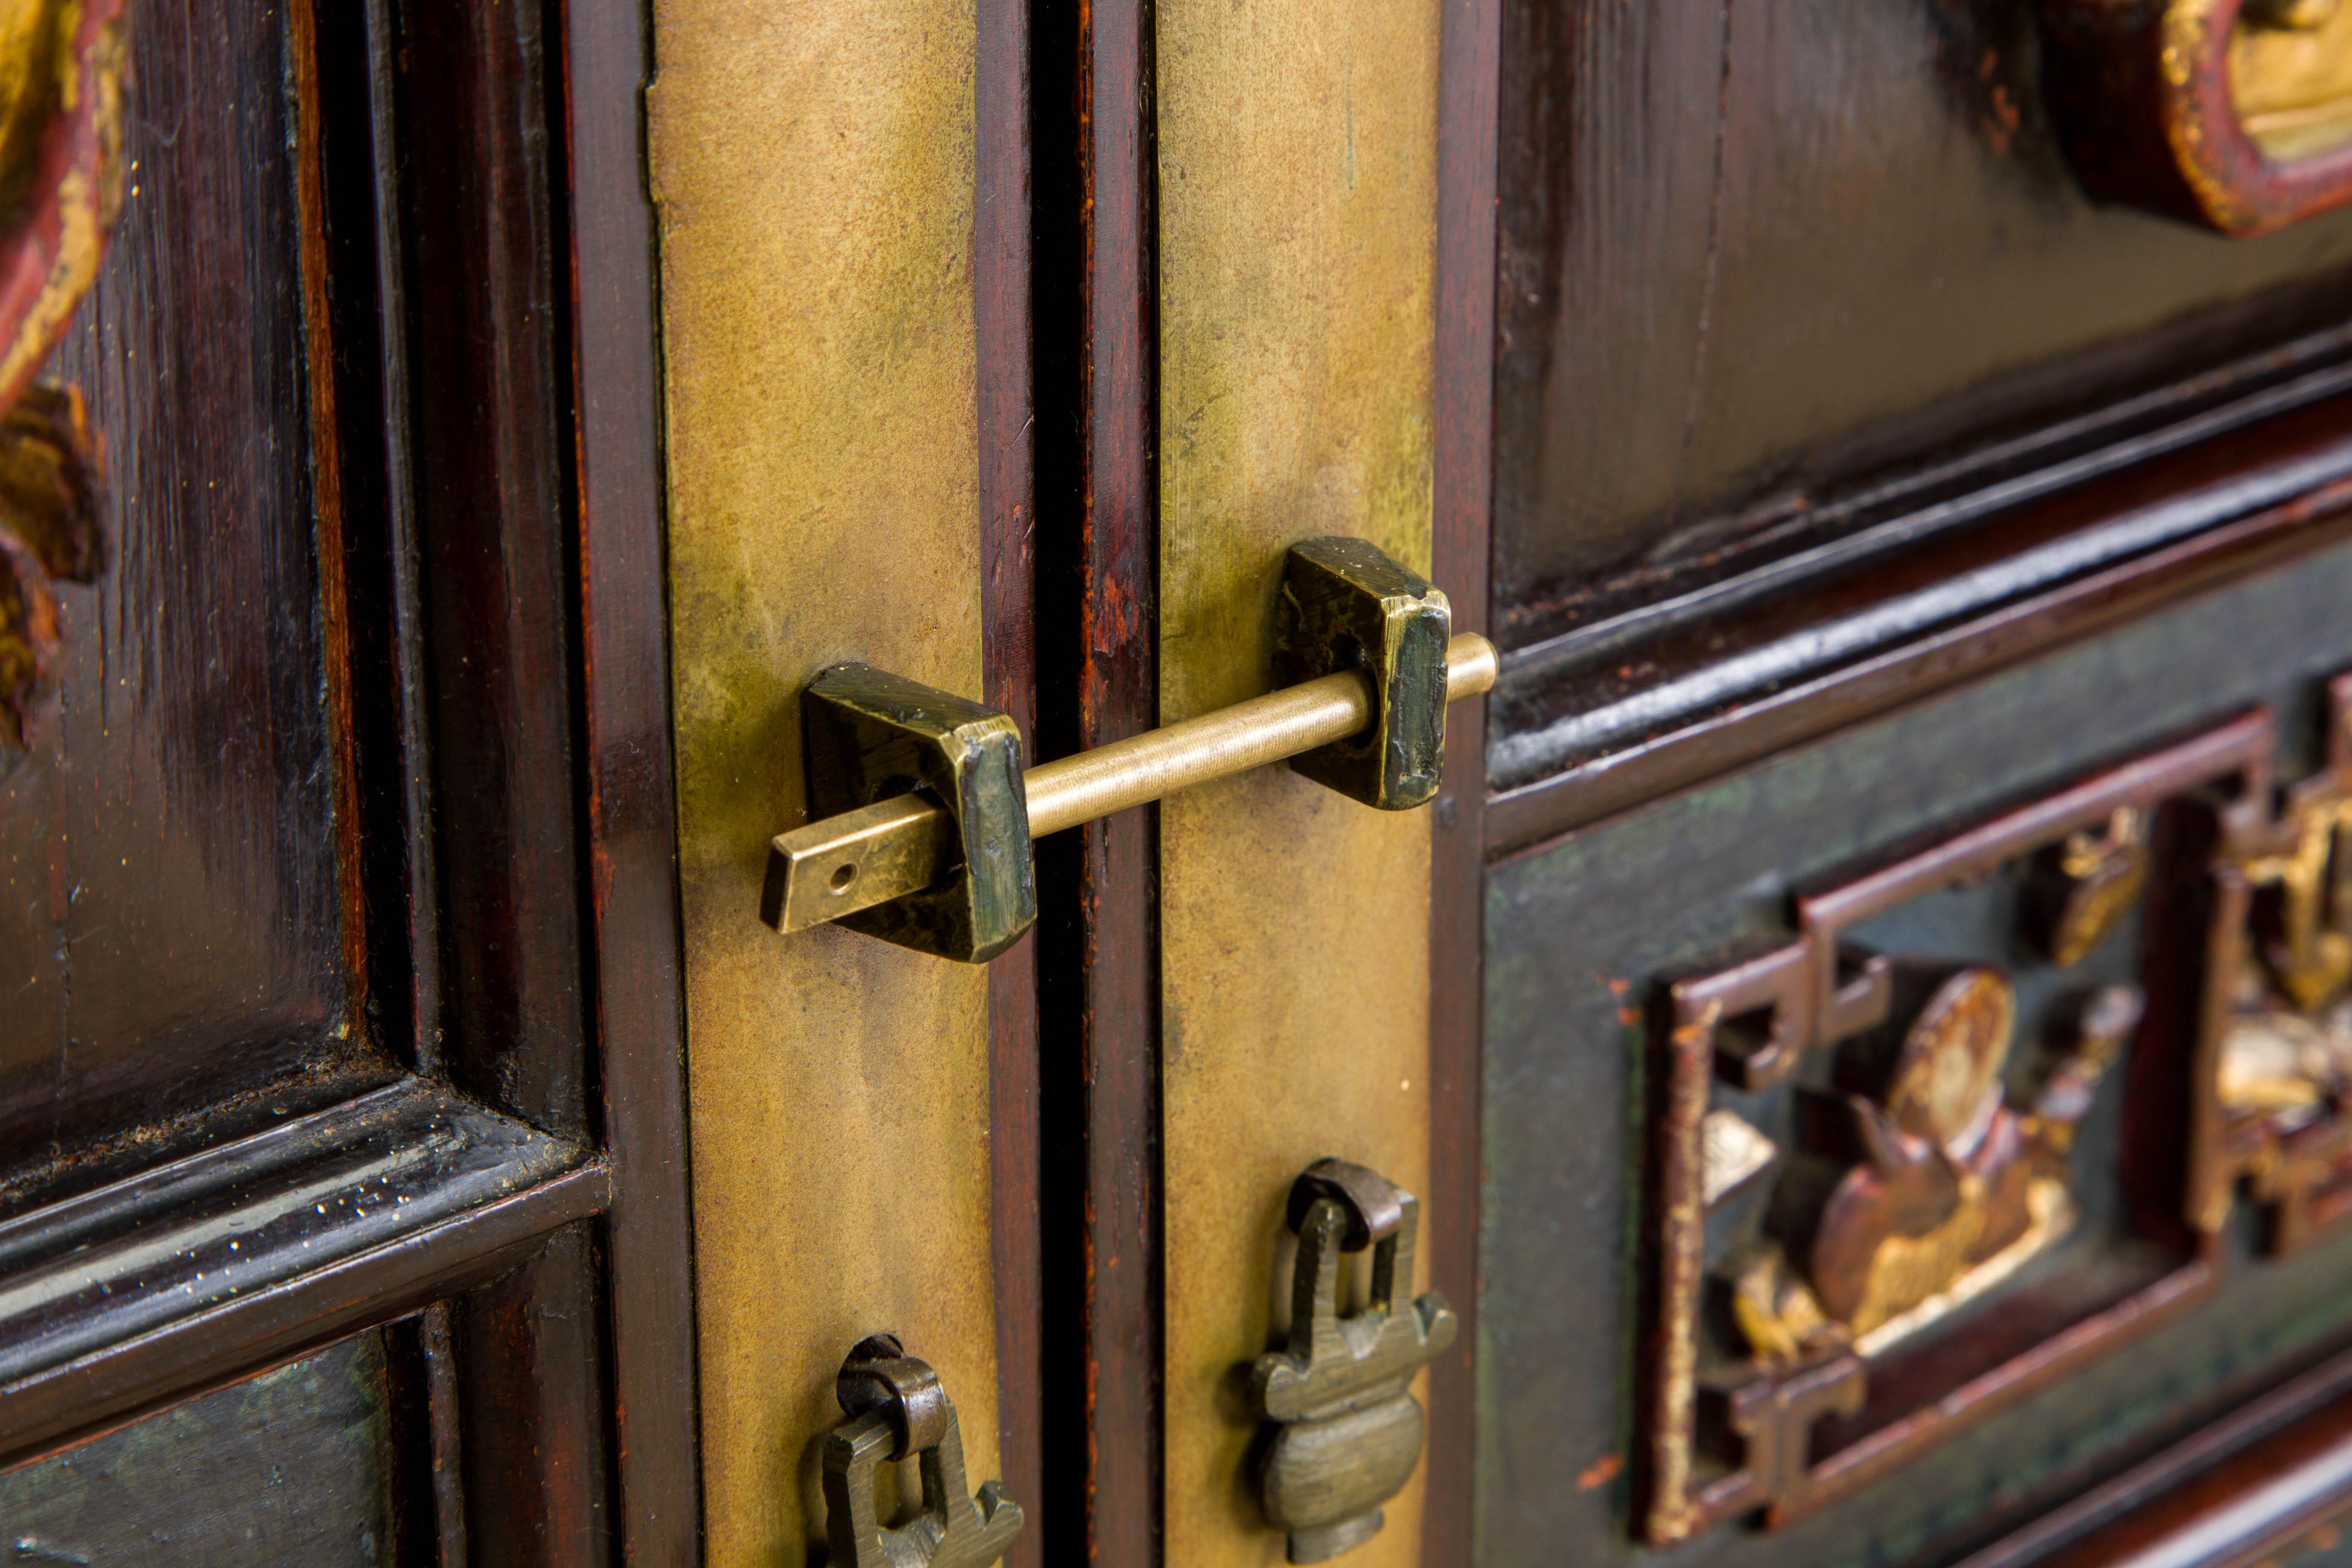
{"points": [[813, 169], [173, 890], [1583, 931], [1297, 162], [1759, 257]]}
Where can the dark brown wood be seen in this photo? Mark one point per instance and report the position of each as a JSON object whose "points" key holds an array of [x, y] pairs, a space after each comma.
{"points": [[171, 898], [631, 813], [1008, 511], [532, 1401], [2265, 495], [487, 354], [59, 1405], [387, 524], [1470, 37], [2152, 1493], [2242, 1510], [1724, 325], [445, 1437], [1096, 267]]}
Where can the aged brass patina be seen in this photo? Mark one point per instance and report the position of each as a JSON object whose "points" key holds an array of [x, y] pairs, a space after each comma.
{"points": [[1350, 1432], [1366, 637], [1346, 605], [870, 735], [897, 1410], [814, 166]]}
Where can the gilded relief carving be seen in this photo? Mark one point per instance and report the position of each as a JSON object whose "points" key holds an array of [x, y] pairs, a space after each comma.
{"points": [[2291, 75], [62, 74], [1890, 1185], [2285, 1085], [1894, 1190], [1924, 1182], [2232, 113]]}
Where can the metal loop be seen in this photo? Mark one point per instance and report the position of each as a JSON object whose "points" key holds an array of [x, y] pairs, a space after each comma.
{"points": [[1373, 1205], [878, 1374]]}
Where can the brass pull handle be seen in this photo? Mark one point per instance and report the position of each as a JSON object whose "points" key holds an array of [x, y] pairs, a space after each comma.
{"points": [[2232, 113], [929, 846], [1351, 1434], [896, 1408]]}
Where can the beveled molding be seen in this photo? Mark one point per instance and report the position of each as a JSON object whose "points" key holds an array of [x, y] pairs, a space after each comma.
{"points": [[1924, 1153], [2151, 530]]}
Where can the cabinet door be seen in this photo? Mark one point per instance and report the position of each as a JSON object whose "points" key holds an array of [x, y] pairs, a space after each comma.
{"points": [[337, 1060]]}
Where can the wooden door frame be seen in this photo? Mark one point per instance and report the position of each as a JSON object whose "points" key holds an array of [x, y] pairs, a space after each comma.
{"points": [[1469, 86], [527, 455]]}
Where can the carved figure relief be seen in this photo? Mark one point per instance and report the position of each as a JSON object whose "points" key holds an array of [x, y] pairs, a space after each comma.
{"points": [[62, 76], [1919, 1184], [1877, 1211]]}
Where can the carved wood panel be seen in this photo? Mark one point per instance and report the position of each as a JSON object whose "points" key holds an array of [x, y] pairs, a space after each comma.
{"points": [[1875, 1213]]}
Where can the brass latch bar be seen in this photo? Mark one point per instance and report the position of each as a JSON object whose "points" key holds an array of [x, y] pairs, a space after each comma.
{"points": [[1372, 727], [903, 845]]}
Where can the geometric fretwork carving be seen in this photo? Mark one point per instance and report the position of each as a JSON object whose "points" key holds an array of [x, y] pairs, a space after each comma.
{"points": [[1865, 1161]]}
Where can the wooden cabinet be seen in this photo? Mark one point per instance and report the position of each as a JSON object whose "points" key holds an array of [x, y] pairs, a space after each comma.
{"points": [[1850, 1066]]}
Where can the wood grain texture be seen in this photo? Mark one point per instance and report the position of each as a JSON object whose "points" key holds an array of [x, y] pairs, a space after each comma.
{"points": [[1098, 682], [533, 1409], [1006, 416], [1759, 254], [2084, 560], [1462, 490], [1297, 160], [169, 900], [814, 171], [487, 355], [631, 786]]}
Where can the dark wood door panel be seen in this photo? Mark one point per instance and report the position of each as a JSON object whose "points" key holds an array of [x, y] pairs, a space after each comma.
{"points": [[309, 867], [2177, 1287], [1760, 262], [177, 891]]}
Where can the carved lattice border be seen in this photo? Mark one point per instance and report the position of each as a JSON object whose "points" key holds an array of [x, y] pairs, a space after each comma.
{"points": [[1810, 993]]}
